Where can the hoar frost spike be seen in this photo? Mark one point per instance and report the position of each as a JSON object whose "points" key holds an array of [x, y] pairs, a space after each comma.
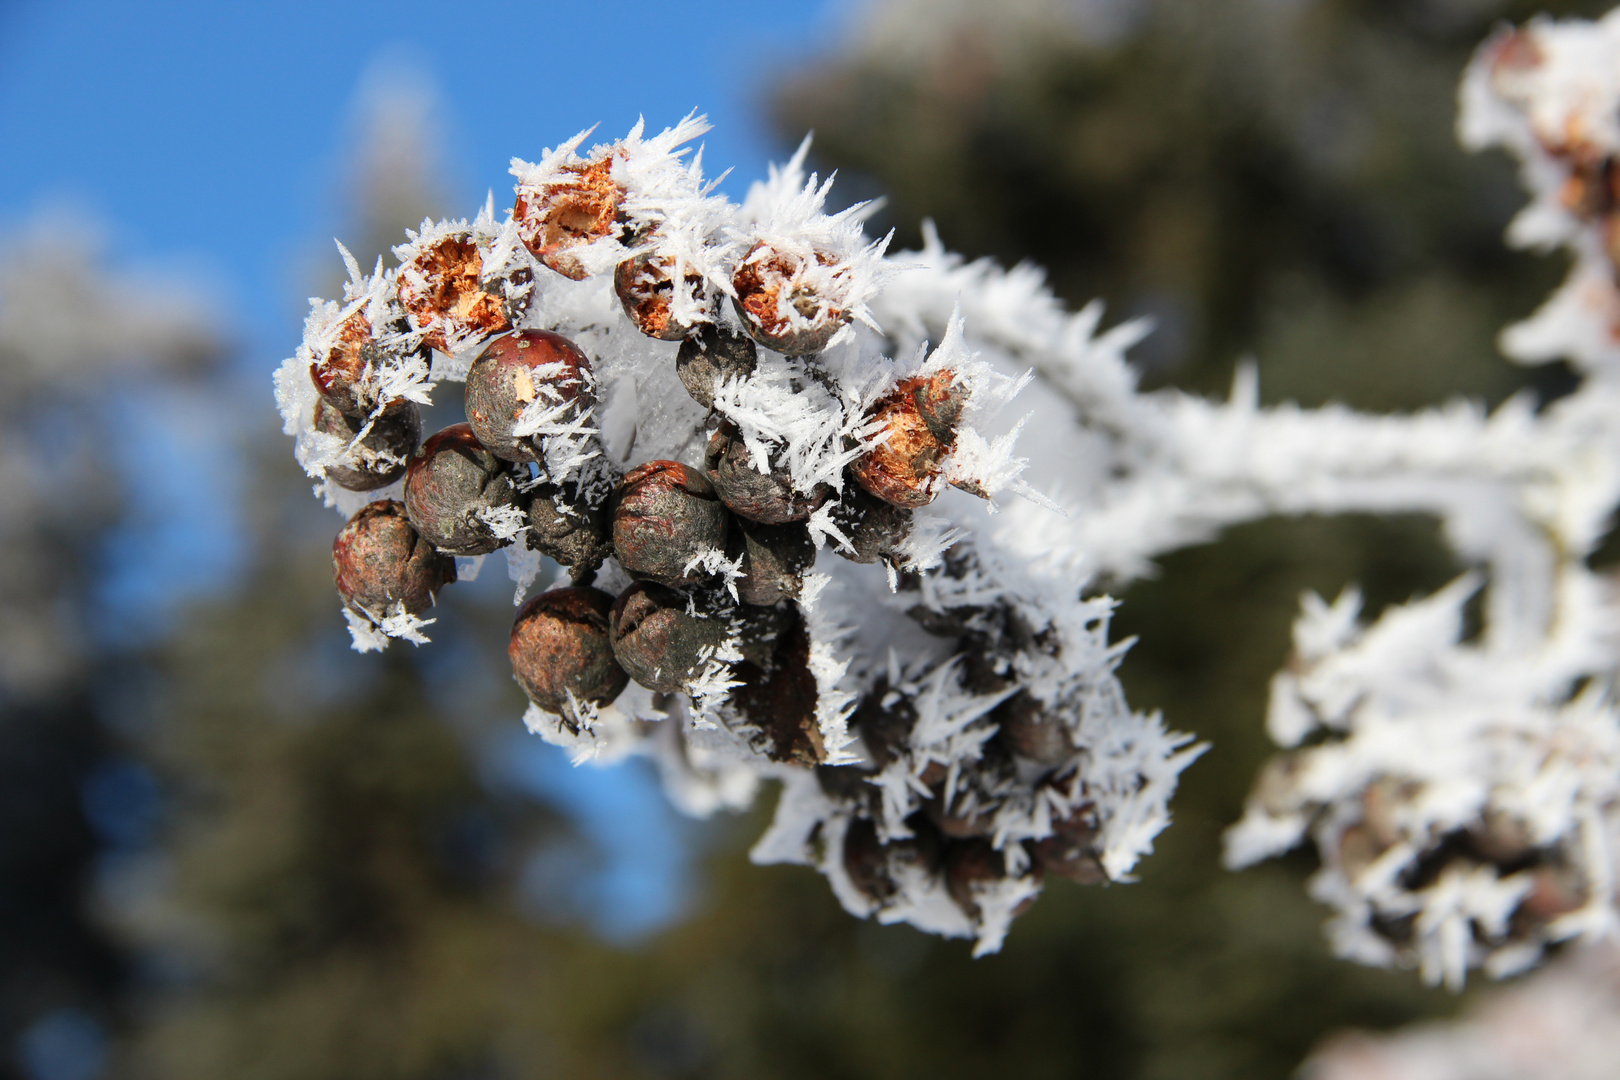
{"points": [[624, 335]]}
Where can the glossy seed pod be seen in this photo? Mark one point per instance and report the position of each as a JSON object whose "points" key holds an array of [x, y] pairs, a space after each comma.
{"points": [[452, 482], [712, 355], [657, 641], [568, 530], [768, 497], [513, 372], [379, 560], [664, 516], [380, 458], [560, 646]]}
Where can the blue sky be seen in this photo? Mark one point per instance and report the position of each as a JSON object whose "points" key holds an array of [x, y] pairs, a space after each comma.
{"points": [[210, 136], [209, 139], [210, 142]]}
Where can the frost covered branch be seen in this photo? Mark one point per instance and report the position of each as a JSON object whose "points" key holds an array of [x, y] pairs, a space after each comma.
{"points": [[725, 421]]}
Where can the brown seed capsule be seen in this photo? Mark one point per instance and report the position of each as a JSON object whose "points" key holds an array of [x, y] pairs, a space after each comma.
{"points": [[646, 287], [560, 646], [379, 560], [849, 784], [664, 516], [567, 529], [970, 865], [442, 289], [1071, 850], [866, 861], [874, 866], [783, 308], [1030, 731], [379, 459], [774, 561], [1358, 849], [579, 207], [779, 697], [1502, 838], [450, 482], [875, 529], [657, 642], [885, 718], [919, 417], [767, 497], [757, 629], [712, 355], [340, 375], [1555, 890], [513, 372], [956, 821]]}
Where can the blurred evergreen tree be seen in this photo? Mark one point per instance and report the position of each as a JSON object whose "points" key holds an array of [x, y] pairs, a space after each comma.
{"points": [[77, 339], [345, 889]]}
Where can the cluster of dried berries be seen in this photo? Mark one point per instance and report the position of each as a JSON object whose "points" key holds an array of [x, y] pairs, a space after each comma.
{"points": [[1516, 64], [684, 403], [1461, 788]]}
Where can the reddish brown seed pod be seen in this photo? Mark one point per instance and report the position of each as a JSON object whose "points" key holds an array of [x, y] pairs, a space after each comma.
{"points": [[849, 785], [657, 641], [451, 481], [380, 458], [1071, 850], [768, 283], [560, 646], [578, 208], [970, 865], [885, 719], [875, 529], [340, 375], [779, 697], [645, 285], [513, 372], [918, 417], [1027, 729], [442, 289], [379, 560], [957, 822], [1555, 890], [768, 497], [774, 561], [664, 516], [866, 861], [874, 866], [711, 355]]}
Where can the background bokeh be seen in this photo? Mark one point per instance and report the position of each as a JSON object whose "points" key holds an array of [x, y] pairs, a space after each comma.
{"points": [[231, 847]]}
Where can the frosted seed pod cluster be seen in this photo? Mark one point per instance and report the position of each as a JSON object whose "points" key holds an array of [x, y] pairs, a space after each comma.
{"points": [[691, 407], [1464, 794]]}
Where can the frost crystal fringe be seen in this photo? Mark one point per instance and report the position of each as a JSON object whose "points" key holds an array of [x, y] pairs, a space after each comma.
{"points": [[1464, 793], [724, 421]]}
